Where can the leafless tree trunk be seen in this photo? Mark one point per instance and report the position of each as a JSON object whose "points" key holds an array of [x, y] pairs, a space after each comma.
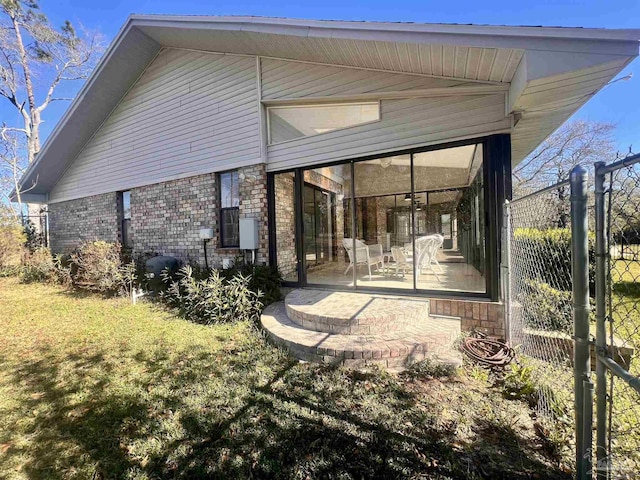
{"points": [[35, 58]]}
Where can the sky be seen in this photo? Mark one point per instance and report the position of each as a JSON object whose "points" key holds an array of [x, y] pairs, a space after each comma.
{"points": [[618, 103]]}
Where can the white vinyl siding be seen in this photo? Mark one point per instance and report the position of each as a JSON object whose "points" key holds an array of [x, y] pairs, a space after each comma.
{"points": [[283, 79], [189, 113], [405, 123]]}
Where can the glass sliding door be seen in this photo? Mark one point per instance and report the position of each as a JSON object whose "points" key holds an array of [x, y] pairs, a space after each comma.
{"points": [[319, 225], [449, 193], [411, 222], [384, 222], [326, 193]]}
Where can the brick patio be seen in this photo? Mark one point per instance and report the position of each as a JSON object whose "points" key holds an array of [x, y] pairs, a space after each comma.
{"points": [[354, 329]]}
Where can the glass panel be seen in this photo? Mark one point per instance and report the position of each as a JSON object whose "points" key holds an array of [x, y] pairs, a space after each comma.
{"points": [[126, 233], [230, 231], [287, 123], [325, 203], [285, 230], [229, 190], [383, 222], [126, 205], [450, 245], [126, 219]]}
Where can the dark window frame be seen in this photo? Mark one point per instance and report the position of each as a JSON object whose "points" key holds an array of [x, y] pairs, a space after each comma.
{"points": [[222, 210], [123, 218]]}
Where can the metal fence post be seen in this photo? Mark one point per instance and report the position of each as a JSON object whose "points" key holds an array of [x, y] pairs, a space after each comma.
{"points": [[580, 276], [587, 387], [601, 333], [506, 269]]}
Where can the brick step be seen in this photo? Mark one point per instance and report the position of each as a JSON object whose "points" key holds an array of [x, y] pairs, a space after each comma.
{"points": [[429, 338], [354, 313]]}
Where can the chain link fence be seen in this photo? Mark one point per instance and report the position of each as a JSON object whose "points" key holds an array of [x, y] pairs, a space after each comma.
{"points": [[622, 318], [539, 303], [599, 328]]}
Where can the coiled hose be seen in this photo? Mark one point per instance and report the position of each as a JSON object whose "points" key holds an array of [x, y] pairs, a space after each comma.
{"points": [[487, 351]]}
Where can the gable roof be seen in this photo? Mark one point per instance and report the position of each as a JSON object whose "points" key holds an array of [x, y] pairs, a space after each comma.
{"points": [[549, 71]]}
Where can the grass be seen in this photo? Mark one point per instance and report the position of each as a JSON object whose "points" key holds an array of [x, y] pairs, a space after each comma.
{"points": [[100, 389], [625, 301]]}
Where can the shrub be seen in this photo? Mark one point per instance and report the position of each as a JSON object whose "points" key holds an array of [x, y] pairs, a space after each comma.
{"points": [[518, 382], [215, 299], [98, 267], [62, 270], [33, 238], [547, 308], [263, 278], [12, 240], [523, 381], [41, 266], [550, 249], [37, 266]]}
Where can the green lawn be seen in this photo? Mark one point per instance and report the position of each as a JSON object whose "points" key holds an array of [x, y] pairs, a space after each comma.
{"points": [[96, 389], [625, 301]]}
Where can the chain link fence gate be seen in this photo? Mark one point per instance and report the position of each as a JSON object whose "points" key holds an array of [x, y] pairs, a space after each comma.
{"points": [[573, 305], [617, 224]]}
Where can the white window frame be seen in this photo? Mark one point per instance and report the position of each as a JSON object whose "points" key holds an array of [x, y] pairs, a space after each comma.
{"points": [[322, 104]]}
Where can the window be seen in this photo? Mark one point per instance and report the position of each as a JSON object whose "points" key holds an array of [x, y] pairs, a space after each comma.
{"points": [[229, 210], [125, 225], [288, 123]]}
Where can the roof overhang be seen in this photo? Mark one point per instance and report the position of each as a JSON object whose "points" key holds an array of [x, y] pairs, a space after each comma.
{"points": [[549, 72]]}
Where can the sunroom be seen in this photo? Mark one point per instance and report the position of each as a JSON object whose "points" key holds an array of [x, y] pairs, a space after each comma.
{"points": [[412, 221]]}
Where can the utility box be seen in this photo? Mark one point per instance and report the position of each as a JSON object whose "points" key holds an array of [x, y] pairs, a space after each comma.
{"points": [[249, 234], [206, 233]]}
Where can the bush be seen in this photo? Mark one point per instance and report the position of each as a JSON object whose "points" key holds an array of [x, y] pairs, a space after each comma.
{"points": [[98, 267], [37, 266], [12, 240], [215, 299], [551, 251], [41, 266], [523, 381], [547, 308], [263, 278], [33, 239]]}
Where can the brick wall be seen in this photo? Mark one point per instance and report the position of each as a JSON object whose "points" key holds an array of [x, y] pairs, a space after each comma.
{"points": [[89, 218], [166, 217], [253, 204], [487, 317], [285, 226]]}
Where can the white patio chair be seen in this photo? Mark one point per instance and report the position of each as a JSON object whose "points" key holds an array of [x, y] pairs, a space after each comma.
{"points": [[401, 260], [435, 256], [369, 255], [426, 250]]}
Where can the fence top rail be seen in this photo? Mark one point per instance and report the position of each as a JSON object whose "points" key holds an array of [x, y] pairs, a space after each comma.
{"points": [[550, 188], [625, 162]]}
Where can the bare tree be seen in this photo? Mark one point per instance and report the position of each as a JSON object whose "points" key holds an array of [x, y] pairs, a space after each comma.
{"points": [[35, 59], [576, 142], [11, 167]]}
